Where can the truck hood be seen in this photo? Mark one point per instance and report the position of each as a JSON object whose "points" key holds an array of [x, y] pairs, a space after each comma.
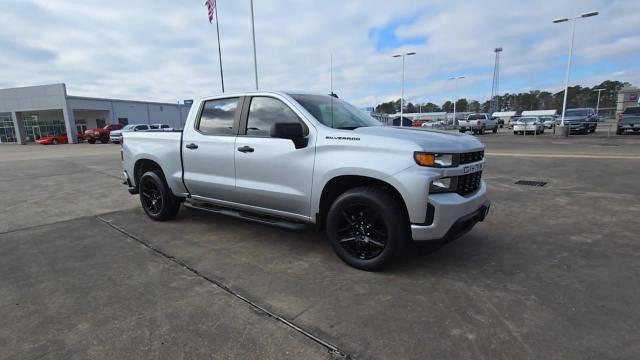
{"points": [[116, 133], [427, 139], [575, 118]]}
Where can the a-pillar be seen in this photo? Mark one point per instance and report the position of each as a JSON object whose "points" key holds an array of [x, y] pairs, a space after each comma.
{"points": [[18, 127]]}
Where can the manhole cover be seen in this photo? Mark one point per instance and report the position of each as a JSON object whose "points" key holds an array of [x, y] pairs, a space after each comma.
{"points": [[531, 183]]}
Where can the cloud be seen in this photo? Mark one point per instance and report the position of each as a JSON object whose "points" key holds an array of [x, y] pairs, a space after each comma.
{"points": [[166, 50]]}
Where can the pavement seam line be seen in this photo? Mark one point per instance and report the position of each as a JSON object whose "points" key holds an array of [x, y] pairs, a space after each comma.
{"points": [[334, 351]]}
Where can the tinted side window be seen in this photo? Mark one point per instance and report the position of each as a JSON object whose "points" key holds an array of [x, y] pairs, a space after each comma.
{"points": [[217, 116], [264, 112]]}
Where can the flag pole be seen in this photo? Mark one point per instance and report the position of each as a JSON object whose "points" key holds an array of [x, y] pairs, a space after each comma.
{"points": [[253, 33], [219, 51]]}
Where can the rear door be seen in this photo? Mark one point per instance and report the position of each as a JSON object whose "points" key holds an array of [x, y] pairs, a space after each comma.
{"points": [[209, 149], [271, 173]]}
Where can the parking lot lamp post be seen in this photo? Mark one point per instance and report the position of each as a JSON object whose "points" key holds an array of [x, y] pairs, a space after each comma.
{"points": [[566, 83], [598, 103], [402, 91], [455, 80]]}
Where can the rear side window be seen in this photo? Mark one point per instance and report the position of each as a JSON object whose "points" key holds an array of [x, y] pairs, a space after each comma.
{"points": [[217, 116], [476, 117], [632, 110], [266, 111]]}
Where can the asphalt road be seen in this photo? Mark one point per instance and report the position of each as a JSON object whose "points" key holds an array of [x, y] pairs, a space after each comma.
{"points": [[552, 273]]}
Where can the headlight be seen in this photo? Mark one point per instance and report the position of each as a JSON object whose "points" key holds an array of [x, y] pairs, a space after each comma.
{"points": [[442, 185], [433, 160]]}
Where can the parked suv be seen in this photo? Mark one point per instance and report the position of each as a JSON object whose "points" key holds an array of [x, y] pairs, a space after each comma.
{"points": [[290, 159], [101, 134], [629, 120]]}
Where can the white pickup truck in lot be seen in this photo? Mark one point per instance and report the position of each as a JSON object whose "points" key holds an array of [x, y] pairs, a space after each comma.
{"points": [[295, 159], [479, 123]]}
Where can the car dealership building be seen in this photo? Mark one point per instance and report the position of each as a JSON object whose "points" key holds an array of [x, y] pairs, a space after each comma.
{"points": [[28, 113]]}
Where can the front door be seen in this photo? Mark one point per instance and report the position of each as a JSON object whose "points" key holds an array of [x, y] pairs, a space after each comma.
{"points": [[208, 150], [272, 173]]}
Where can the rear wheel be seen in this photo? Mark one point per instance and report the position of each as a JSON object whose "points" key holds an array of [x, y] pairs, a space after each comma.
{"points": [[104, 139], [367, 228], [481, 131], [619, 131], [54, 141], [91, 141], [156, 198], [495, 129]]}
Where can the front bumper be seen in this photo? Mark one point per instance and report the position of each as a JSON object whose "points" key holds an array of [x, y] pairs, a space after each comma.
{"points": [[453, 215], [115, 139]]}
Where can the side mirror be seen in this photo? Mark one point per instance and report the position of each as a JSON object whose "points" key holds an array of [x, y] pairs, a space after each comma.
{"points": [[292, 131]]}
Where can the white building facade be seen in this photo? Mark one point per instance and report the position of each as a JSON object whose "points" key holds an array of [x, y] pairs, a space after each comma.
{"points": [[28, 113]]}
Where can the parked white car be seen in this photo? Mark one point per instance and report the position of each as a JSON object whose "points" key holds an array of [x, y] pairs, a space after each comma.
{"points": [[549, 122], [479, 123], [528, 124], [116, 135]]}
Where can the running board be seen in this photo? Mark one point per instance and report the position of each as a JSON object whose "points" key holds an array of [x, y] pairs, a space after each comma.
{"points": [[262, 219]]}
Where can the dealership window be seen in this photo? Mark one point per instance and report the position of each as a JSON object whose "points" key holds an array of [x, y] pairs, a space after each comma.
{"points": [[217, 116], [81, 126], [7, 131], [100, 123], [36, 127]]}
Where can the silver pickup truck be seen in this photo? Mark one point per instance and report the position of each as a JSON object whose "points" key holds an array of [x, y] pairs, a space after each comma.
{"points": [[479, 123], [295, 159]]}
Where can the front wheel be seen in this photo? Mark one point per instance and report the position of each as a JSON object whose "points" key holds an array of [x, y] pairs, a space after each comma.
{"points": [[495, 129], [156, 198], [367, 228], [91, 141]]}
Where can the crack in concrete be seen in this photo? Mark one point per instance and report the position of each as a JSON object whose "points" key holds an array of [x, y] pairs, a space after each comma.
{"points": [[333, 350]]}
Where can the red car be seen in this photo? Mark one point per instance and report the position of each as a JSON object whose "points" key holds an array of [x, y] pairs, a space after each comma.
{"points": [[101, 134], [57, 139]]}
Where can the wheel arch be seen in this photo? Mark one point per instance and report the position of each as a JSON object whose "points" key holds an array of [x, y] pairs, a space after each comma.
{"points": [[338, 185], [142, 166]]}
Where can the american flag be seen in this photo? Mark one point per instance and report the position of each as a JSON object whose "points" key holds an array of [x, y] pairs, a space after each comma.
{"points": [[211, 7]]}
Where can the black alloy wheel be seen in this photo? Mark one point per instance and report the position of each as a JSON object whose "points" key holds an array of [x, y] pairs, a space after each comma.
{"points": [[360, 231], [368, 228], [157, 200], [151, 197]]}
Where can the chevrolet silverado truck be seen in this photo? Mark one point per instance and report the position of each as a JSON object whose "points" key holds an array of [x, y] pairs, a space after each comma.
{"points": [[291, 160], [582, 120], [629, 119], [479, 123], [101, 134]]}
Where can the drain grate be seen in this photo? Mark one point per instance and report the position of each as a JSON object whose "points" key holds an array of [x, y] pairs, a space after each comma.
{"points": [[531, 183]]}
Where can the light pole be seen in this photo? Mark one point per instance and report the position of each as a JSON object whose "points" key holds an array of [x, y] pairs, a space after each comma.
{"points": [[253, 37], [402, 93], [455, 80], [566, 83], [598, 103]]}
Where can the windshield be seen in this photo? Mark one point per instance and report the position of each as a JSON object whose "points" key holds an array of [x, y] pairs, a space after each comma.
{"points": [[128, 127], [476, 117], [576, 113], [547, 118], [334, 112], [527, 120]]}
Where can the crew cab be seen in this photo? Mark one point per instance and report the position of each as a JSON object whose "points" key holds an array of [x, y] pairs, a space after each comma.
{"points": [[101, 134], [629, 119], [581, 120], [291, 160], [479, 123]]}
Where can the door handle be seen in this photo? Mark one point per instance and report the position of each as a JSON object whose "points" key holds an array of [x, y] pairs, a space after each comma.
{"points": [[192, 146], [245, 149]]}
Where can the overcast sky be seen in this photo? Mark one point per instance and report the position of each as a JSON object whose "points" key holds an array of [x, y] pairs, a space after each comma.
{"points": [[166, 50]]}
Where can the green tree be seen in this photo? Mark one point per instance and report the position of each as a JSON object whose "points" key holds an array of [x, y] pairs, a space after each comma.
{"points": [[462, 105], [474, 106], [447, 106]]}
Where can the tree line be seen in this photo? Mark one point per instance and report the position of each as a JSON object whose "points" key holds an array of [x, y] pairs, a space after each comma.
{"points": [[578, 96]]}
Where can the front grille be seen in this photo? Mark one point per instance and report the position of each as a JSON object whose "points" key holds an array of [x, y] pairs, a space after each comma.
{"points": [[468, 184], [470, 157]]}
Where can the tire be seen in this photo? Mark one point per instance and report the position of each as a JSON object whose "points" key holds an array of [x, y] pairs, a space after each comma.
{"points": [[91, 141], [495, 129], [363, 211], [515, 133], [54, 141], [156, 198], [619, 132], [104, 140], [481, 131]]}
